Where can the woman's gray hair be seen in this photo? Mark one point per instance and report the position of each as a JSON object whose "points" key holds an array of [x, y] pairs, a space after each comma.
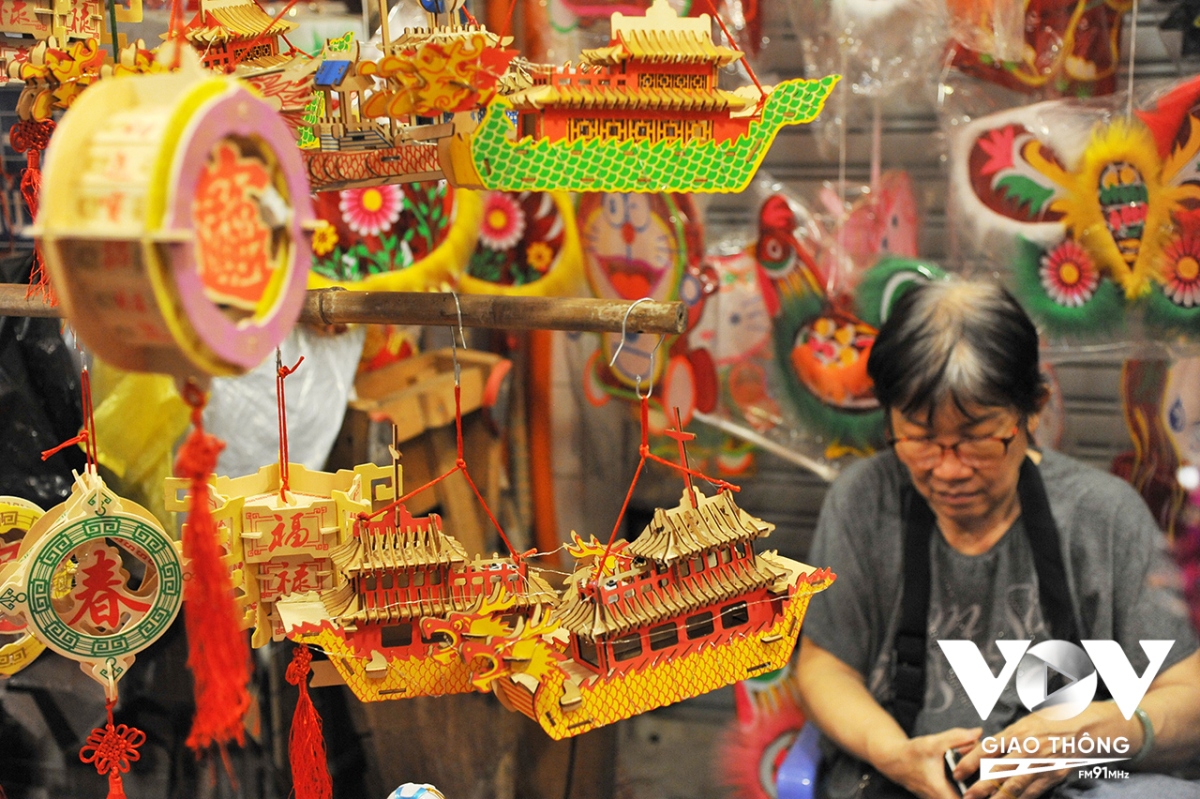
{"points": [[969, 341]]}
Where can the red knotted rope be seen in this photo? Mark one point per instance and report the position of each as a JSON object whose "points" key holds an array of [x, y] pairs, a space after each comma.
{"points": [[644, 451], [31, 137], [87, 436], [460, 465], [217, 652], [111, 749], [306, 745]]}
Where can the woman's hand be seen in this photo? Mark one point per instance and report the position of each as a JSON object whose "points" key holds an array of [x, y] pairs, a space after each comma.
{"points": [[918, 764]]}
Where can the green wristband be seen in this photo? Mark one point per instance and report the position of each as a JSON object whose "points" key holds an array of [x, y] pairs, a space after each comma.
{"points": [[1147, 737]]}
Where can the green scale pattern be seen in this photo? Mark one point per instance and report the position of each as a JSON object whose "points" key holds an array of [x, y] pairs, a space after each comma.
{"points": [[635, 166]]}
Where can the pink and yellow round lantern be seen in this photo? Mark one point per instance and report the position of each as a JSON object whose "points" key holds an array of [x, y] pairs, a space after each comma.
{"points": [[174, 221]]}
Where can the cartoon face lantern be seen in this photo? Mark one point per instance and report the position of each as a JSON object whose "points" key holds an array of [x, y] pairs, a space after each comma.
{"points": [[1090, 225]]}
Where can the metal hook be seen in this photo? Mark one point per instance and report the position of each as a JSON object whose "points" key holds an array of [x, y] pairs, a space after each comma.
{"points": [[462, 334], [453, 345], [637, 389], [625, 328]]}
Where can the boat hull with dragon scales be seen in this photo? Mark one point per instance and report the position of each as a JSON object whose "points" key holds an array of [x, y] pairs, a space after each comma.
{"points": [[398, 574], [685, 609]]}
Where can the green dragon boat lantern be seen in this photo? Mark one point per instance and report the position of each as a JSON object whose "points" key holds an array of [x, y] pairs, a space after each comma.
{"points": [[643, 114]]}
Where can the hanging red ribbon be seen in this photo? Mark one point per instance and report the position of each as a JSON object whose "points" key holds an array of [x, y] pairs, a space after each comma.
{"points": [[218, 654]]}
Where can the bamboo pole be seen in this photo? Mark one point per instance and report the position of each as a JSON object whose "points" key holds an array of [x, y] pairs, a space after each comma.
{"points": [[336, 306], [13, 302]]}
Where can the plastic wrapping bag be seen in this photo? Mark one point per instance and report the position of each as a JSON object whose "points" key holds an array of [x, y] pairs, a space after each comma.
{"points": [[39, 402], [887, 52], [1090, 215], [1044, 48], [139, 419], [242, 410]]}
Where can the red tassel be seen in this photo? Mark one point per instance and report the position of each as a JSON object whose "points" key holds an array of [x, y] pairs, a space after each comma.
{"points": [[217, 651], [306, 748], [116, 788], [32, 137]]}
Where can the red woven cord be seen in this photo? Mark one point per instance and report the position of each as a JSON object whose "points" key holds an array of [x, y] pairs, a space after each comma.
{"points": [[70, 442], [646, 455], [111, 749], [87, 436], [460, 465], [31, 137], [306, 746], [281, 374], [217, 652], [717, 482]]}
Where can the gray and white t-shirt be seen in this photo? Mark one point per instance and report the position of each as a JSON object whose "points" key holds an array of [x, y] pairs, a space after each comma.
{"points": [[1122, 581]]}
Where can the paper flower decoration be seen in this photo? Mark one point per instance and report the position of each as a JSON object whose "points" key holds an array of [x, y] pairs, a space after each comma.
{"points": [[1069, 275], [325, 238], [503, 221], [539, 255], [1181, 271], [370, 211]]}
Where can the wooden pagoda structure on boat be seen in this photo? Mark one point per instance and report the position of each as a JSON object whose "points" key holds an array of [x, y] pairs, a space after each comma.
{"points": [[395, 572], [694, 580], [237, 33]]}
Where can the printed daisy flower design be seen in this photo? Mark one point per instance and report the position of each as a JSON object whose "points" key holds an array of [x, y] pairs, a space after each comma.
{"points": [[503, 221], [1069, 275], [324, 239], [1181, 271], [370, 211]]}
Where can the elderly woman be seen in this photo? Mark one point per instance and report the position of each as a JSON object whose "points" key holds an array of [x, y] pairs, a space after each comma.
{"points": [[962, 531]]}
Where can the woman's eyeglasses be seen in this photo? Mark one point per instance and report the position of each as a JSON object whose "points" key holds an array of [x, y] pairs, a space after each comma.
{"points": [[925, 453]]}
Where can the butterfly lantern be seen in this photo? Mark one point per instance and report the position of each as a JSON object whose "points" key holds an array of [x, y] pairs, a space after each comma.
{"points": [[1093, 221], [823, 328]]}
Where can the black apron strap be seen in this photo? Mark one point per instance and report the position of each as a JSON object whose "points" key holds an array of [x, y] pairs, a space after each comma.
{"points": [[909, 652], [1053, 590], [908, 656]]}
